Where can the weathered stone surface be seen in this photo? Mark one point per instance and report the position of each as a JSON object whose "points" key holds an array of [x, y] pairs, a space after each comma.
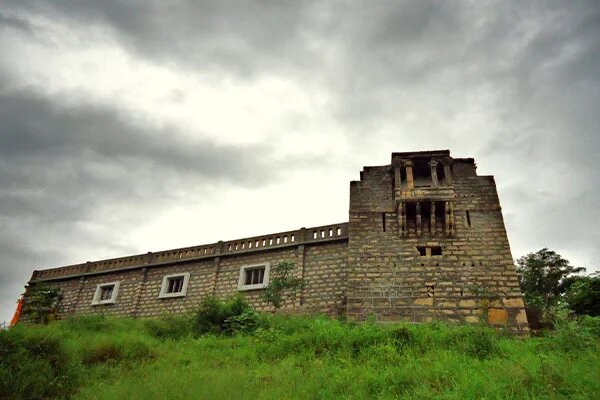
{"points": [[497, 316], [518, 302], [521, 317], [467, 303], [424, 302]]}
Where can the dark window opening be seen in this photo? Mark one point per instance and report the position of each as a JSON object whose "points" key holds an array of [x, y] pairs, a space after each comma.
{"points": [[175, 284], [425, 217], [106, 292], [433, 251], [255, 276], [436, 251], [421, 172], [411, 217], [468, 218], [430, 290], [403, 176], [440, 216], [441, 174], [382, 221]]}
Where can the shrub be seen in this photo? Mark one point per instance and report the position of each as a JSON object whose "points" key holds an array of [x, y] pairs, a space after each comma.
{"points": [[41, 303], [246, 322], [282, 282], [570, 336], [591, 324], [401, 336], [34, 365], [225, 317]]}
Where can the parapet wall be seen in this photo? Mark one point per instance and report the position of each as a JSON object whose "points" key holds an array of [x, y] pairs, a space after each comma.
{"points": [[317, 234]]}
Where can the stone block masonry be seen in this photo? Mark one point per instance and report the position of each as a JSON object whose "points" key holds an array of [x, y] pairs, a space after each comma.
{"points": [[425, 241]]}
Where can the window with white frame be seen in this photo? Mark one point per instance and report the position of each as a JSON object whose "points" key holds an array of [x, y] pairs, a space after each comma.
{"points": [[254, 277], [106, 293], [174, 285]]}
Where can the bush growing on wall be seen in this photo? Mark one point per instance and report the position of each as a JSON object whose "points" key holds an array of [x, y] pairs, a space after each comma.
{"points": [[283, 282], [41, 304]]}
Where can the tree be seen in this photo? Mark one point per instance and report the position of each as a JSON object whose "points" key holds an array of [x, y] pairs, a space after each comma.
{"points": [[583, 296], [282, 281], [545, 277], [41, 303]]}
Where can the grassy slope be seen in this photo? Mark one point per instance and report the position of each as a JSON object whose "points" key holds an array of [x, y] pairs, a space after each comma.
{"points": [[294, 358]]}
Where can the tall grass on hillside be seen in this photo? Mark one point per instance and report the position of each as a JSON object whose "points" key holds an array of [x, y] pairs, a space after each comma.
{"points": [[294, 358]]}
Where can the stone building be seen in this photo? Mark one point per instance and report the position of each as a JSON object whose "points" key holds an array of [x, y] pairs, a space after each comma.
{"points": [[425, 241]]}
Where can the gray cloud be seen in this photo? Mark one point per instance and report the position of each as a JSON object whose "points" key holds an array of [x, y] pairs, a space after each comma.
{"points": [[8, 21], [232, 37], [59, 165]]}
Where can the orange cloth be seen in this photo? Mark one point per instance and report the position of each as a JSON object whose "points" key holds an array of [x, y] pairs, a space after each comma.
{"points": [[17, 312]]}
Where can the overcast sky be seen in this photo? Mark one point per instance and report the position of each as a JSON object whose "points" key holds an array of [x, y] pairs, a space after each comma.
{"points": [[128, 127]]}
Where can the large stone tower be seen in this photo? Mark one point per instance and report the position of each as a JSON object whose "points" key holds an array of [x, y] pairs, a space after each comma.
{"points": [[427, 241]]}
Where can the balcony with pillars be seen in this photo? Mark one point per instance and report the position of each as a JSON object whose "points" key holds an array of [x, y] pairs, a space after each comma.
{"points": [[423, 179], [424, 196]]}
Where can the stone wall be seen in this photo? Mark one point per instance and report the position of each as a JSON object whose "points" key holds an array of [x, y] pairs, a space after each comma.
{"points": [[319, 255]]}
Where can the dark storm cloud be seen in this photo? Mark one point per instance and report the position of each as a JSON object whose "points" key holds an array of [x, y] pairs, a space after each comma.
{"points": [[8, 21], [243, 37]]}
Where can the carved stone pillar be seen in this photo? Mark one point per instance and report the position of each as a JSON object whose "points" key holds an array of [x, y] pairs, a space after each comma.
{"points": [[434, 178], [447, 174], [447, 217], [451, 219], [418, 218], [410, 183], [397, 177], [402, 218], [432, 223]]}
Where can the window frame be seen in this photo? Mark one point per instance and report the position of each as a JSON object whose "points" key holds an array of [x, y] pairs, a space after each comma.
{"points": [[163, 294], [98, 293], [242, 279]]}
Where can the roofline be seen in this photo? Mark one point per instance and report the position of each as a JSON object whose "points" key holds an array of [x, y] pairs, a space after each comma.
{"points": [[445, 152]]}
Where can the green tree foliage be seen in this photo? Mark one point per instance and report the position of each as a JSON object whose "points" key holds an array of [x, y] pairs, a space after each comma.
{"points": [[544, 277], [282, 281], [41, 303], [225, 317], [583, 296]]}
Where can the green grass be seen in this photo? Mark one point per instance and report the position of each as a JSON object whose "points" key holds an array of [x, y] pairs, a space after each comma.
{"points": [[294, 358]]}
